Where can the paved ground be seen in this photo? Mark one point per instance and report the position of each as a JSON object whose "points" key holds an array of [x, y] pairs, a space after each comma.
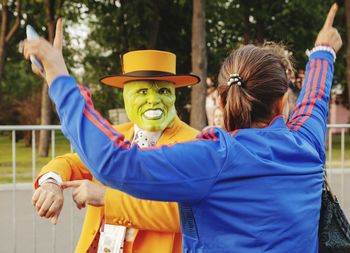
{"points": [[40, 239], [340, 181]]}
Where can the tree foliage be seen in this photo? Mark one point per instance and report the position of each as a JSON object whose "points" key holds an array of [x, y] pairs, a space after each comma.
{"points": [[130, 25], [292, 22], [115, 27]]}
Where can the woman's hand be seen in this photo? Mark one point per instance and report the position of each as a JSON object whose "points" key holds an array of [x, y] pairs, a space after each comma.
{"points": [[329, 35], [49, 55]]}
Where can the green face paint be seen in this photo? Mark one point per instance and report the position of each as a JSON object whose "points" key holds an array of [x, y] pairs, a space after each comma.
{"points": [[150, 104]]}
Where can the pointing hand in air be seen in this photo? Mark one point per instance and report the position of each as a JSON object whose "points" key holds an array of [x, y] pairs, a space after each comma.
{"points": [[329, 36]]}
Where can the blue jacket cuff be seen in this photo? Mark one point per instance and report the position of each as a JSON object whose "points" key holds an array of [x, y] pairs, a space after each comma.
{"points": [[59, 86]]}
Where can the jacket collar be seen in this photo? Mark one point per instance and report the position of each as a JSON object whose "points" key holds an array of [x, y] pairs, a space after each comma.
{"points": [[167, 135], [277, 122], [170, 132]]}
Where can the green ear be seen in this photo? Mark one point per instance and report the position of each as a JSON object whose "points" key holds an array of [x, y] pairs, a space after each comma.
{"points": [[150, 104]]}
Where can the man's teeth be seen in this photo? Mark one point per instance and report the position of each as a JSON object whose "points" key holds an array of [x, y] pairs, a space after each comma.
{"points": [[153, 113]]}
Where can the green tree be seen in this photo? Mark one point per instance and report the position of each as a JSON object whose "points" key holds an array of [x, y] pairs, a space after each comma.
{"points": [[10, 22], [52, 12], [199, 65], [118, 27], [294, 23]]}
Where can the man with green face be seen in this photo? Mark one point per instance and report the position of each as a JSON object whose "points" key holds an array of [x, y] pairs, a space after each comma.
{"points": [[148, 83], [150, 104]]}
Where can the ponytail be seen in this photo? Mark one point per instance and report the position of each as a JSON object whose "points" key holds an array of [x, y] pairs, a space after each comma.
{"points": [[262, 80], [237, 108]]}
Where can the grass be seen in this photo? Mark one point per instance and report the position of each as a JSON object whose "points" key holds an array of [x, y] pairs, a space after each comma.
{"points": [[24, 157]]}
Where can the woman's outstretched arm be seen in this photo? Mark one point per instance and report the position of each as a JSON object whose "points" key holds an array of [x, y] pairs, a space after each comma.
{"points": [[181, 172]]}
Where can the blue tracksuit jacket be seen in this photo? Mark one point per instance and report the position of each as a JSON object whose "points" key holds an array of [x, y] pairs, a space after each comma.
{"points": [[249, 191]]}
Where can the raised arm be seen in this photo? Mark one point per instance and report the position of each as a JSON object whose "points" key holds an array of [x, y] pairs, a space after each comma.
{"points": [[309, 117], [167, 173]]}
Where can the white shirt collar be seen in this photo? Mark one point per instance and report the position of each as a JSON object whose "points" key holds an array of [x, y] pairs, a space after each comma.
{"points": [[152, 136]]}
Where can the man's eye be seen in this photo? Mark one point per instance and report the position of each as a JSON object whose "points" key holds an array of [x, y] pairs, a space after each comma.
{"points": [[164, 91], [142, 91]]}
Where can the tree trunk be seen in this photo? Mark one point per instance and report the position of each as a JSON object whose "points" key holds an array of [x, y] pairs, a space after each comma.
{"points": [[199, 65], [347, 15], [46, 112], [2, 57], [5, 33], [4, 18]]}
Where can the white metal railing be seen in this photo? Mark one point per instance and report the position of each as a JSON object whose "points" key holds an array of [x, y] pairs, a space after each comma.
{"points": [[338, 177], [33, 129]]}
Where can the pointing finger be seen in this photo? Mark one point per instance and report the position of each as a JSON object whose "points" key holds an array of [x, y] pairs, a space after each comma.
{"points": [[331, 15], [58, 41], [74, 184]]}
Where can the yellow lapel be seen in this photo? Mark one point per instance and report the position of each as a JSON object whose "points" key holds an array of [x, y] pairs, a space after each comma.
{"points": [[169, 132], [127, 129]]}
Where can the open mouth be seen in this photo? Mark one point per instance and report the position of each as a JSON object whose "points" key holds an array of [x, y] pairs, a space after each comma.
{"points": [[153, 114]]}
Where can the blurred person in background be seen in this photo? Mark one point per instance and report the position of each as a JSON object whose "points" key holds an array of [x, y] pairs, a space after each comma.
{"points": [[218, 118], [211, 101]]}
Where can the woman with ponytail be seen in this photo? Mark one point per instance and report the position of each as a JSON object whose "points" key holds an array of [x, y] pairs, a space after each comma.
{"points": [[249, 96], [255, 188]]}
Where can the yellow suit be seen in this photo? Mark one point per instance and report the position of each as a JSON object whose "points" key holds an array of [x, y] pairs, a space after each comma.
{"points": [[157, 223]]}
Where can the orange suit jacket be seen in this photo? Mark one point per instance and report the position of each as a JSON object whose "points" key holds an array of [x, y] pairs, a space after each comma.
{"points": [[157, 223]]}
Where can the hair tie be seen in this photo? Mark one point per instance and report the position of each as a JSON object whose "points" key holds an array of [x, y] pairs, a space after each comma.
{"points": [[235, 79]]}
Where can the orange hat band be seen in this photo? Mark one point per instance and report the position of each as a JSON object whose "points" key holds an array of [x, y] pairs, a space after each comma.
{"points": [[148, 73]]}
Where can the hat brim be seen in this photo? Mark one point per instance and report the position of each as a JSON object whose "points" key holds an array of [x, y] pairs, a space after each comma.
{"points": [[178, 80]]}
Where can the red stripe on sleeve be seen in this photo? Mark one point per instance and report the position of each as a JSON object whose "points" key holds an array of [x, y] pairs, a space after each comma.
{"points": [[325, 67], [312, 97], [212, 134], [205, 133], [302, 105], [116, 141], [89, 104], [234, 132]]}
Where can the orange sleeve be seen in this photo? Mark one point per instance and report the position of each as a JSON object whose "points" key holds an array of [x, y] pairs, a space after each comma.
{"points": [[68, 166], [123, 209]]}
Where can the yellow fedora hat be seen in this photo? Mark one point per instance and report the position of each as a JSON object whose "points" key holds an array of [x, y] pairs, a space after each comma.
{"points": [[149, 65]]}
